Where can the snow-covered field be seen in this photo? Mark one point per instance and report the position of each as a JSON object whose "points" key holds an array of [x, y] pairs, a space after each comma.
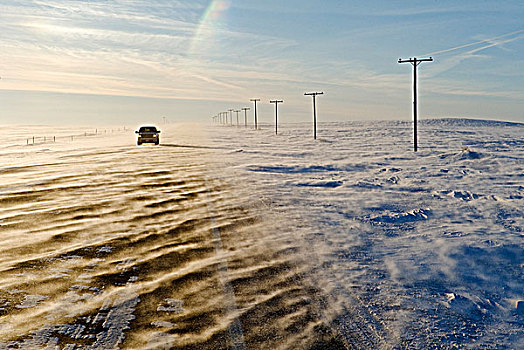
{"points": [[229, 237]]}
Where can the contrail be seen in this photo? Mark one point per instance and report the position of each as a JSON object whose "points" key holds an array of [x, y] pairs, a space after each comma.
{"points": [[490, 40], [493, 44]]}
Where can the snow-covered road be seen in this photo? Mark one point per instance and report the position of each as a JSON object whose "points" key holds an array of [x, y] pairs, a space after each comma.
{"points": [[225, 237]]}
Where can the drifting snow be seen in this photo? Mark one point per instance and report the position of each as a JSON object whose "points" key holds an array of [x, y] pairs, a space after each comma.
{"points": [[429, 243], [250, 239]]}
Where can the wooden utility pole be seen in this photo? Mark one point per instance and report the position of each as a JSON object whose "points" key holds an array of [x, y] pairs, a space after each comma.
{"points": [[314, 94], [276, 102], [231, 116], [415, 62], [255, 100], [245, 109], [237, 111]]}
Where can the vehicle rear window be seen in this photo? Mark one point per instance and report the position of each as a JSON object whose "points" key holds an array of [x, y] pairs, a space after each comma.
{"points": [[148, 129]]}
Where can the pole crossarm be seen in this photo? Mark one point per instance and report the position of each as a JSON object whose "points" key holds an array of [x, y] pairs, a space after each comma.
{"points": [[415, 60]]}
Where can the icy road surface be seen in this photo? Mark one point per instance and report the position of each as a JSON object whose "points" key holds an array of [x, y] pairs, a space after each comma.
{"points": [[224, 237]]}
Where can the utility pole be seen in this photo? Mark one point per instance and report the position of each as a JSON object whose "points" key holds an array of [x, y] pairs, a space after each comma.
{"points": [[415, 62], [245, 109], [276, 102], [314, 94], [231, 116], [255, 100], [237, 111]]}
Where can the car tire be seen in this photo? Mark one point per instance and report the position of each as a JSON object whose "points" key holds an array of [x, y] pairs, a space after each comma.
{"points": [[138, 143]]}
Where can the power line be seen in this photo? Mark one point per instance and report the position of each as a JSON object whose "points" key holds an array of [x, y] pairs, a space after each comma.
{"points": [[415, 62]]}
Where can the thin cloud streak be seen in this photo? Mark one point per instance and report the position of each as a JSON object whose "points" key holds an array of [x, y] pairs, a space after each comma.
{"points": [[144, 58], [453, 61], [160, 49], [490, 40]]}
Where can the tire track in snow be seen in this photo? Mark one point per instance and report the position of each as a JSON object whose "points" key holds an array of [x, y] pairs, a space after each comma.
{"points": [[235, 328]]}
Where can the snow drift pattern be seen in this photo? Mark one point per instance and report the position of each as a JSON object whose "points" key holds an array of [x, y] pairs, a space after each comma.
{"points": [[250, 240]]}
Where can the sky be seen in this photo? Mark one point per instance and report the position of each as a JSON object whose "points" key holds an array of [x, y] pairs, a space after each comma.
{"points": [[130, 61]]}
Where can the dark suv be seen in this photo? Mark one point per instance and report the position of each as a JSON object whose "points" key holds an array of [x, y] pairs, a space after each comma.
{"points": [[148, 134]]}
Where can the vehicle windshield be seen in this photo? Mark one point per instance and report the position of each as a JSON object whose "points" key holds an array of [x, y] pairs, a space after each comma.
{"points": [[147, 129]]}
